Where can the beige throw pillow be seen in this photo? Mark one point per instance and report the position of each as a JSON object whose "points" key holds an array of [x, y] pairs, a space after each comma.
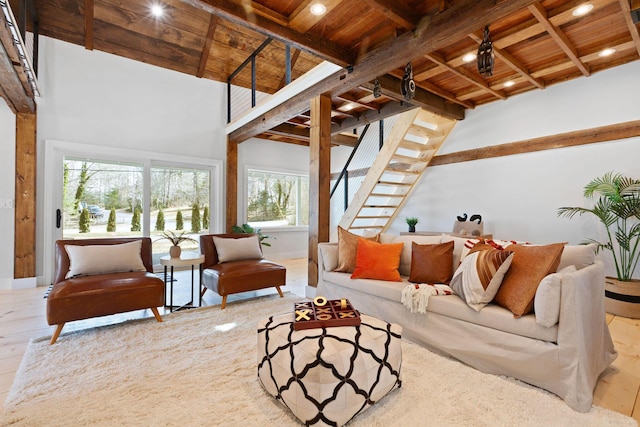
{"points": [[347, 248], [103, 259], [231, 249]]}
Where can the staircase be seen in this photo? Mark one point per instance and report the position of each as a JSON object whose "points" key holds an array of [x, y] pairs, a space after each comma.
{"points": [[413, 141]]}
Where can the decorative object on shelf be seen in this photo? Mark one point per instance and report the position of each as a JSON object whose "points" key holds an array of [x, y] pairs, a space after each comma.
{"points": [[464, 227], [411, 222], [485, 55], [175, 250], [247, 229], [617, 206], [408, 85]]}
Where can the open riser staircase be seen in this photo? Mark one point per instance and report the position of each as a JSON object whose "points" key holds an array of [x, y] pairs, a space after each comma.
{"points": [[414, 139]]}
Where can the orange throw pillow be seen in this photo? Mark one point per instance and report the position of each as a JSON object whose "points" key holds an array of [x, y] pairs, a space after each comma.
{"points": [[431, 263], [530, 265], [347, 245], [377, 261]]}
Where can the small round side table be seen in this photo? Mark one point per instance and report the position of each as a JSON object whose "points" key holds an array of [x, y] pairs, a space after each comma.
{"points": [[186, 259]]}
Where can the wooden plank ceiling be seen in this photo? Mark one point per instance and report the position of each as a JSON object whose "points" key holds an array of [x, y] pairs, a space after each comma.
{"points": [[540, 44]]}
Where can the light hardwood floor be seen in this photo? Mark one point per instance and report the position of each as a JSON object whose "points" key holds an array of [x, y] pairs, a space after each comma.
{"points": [[22, 317]]}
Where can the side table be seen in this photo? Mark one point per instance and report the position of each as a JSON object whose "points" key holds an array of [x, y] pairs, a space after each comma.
{"points": [[186, 259]]}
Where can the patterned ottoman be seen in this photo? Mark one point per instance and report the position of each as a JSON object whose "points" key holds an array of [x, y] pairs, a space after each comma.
{"points": [[326, 376]]}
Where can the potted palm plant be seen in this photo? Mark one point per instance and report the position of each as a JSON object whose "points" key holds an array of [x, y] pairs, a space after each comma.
{"points": [[175, 250], [617, 207], [246, 228]]}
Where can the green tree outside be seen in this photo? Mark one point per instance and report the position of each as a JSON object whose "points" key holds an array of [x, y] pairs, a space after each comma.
{"points": [[111, 223], [160, 221], [179, 221], [135, 220], [195, 219], [84, 221], [205, 217]]}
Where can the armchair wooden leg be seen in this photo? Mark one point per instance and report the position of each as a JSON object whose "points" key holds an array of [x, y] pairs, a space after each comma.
{"points": [[279, 291], [56, 333], [156, 314], [203, 291], [224, 302]]}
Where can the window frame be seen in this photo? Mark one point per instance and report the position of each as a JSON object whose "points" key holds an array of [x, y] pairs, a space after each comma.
{"points": [[274, 170]]}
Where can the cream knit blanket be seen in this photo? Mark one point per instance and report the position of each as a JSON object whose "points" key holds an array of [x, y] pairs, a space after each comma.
{"points": [[416, 297]]}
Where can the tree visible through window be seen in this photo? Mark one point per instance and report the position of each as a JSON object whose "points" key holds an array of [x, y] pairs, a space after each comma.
{"points": [[277, 199]]}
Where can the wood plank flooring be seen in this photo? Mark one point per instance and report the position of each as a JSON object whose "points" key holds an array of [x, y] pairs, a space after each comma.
{"points": [[22, 317]]}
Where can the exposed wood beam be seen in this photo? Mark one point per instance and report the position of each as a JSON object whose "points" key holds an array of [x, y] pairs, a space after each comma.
{"points": [[301, 19], [387, 110], [540, 13], [556, 67], [25, 195], [474, 80], [512, 62], [232, 186], [464, 17], [306, 41], [12, 85], [354, 100], [88, 24], [633, 29], [213, 23], [390, 86], [396, 12], [569, 139], [319, 180], [303, 134]]}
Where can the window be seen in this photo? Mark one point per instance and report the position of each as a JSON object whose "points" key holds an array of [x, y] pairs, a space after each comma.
{"points": [[277, 199]]}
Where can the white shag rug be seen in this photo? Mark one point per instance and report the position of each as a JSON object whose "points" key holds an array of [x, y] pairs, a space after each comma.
{"points": [[198, 368]]}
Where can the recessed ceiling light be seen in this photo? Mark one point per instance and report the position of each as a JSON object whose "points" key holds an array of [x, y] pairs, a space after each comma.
{"points": [[582, 10], [469, 57], [348, 107], [509, 83], [318, 9], [157, 10], [607, 52]]}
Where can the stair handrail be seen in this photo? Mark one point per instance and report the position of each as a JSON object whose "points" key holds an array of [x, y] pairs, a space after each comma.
{"points": [[353, 153]]}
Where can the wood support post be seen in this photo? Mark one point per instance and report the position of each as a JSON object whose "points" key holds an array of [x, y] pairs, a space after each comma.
{"points": [[232, 185], [25, 197], [319, 180]]}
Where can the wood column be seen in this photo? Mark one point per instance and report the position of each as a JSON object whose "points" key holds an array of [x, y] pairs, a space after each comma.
{"points": [[319, 180], [232, 185], [25, 197]]}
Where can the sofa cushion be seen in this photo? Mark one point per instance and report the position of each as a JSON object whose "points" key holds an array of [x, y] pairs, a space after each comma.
{"points": [[530, 265], [231, 249], [103, 259], [329, 256], [546, 303], [431, 263], [578, 255], [347, 248], [462, 246], [377, 261], [479, 276], [408, 239]]}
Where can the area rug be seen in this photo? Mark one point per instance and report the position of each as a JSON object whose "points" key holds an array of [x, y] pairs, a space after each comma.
{"points": [[198, 368]]}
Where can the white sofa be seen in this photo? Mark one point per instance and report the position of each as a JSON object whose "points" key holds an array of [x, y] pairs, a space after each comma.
{"points": [[565, 358]]}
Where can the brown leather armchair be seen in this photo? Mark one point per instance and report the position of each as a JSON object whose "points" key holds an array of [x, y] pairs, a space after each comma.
{"points": [[237, 276], [84, 297]]}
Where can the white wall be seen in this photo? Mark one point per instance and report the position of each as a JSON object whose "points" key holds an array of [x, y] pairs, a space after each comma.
{"points": [[7, 192], [99, 99], [518, 196], [286, 243]]}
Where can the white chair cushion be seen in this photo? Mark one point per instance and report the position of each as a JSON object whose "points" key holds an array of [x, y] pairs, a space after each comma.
{"points": [[103, 259], [230, 249]]}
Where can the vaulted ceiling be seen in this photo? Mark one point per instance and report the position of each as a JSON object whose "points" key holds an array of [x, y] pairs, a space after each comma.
{"points": [[536, 44]]}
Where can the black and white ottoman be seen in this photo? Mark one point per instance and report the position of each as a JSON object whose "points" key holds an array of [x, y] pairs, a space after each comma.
{"points": [[326, 376]]}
